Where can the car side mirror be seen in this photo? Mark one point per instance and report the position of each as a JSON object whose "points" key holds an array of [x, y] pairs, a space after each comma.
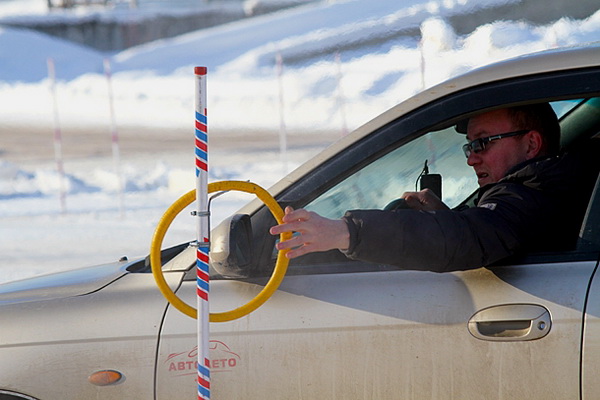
{"points": [[231, 247]]}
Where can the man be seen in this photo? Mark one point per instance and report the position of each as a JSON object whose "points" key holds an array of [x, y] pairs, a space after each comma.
{"points": [[530, 199]]}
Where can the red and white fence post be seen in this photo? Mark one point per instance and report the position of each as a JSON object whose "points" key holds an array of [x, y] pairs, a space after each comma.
{"points": [[340, 92], [114, 138], [282, 127], [57, 137]]}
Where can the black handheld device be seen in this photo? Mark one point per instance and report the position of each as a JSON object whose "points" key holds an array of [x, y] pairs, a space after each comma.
{"points": [[432, 182], [426, 180]]}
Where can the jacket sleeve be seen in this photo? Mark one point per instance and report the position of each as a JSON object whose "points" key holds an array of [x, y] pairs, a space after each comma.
{"points": [[441, 241]]}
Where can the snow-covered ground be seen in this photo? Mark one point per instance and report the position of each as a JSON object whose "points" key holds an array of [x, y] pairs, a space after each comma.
{"points": [[153, 87]]}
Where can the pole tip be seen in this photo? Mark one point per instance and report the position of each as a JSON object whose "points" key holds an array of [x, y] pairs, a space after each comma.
{"points": [[200, 70]]}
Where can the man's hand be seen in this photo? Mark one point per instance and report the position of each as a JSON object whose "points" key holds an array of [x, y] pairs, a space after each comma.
{"points": [[425, 200], [313, 233]]}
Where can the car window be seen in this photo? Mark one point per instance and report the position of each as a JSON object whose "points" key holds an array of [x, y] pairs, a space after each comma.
{"points": [[388, 177], [562, 108]]}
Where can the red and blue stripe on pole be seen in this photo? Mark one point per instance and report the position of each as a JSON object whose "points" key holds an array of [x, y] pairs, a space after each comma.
{"points": [[201, 143]]}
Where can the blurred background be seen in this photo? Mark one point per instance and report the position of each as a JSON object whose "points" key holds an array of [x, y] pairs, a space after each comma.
{"points": [[97, 100]]}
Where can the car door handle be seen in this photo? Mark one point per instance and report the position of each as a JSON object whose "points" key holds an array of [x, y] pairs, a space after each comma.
{"points": [[511, 322]]}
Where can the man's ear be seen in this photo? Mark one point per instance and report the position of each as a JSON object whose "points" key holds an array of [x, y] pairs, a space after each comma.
{"points": [[535, 144]]}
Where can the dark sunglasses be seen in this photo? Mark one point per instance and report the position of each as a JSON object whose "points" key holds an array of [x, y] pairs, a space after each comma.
{"points": [[478, 145]]}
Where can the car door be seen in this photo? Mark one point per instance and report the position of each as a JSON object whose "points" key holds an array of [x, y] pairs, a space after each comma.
{"points": [[338, 328], [590, 353]]}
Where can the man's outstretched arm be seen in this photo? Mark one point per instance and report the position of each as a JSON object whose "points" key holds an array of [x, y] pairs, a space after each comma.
{"points": [[313, 233]]}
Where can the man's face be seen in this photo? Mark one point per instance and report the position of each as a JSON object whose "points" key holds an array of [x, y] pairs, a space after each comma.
{"points": [[499, 156]]}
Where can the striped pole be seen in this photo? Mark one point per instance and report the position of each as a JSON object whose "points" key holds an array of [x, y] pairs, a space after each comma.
{"points": [[202, 234]]}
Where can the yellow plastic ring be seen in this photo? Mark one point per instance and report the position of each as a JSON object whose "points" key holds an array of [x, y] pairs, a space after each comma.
{"points": [[174, 210]]}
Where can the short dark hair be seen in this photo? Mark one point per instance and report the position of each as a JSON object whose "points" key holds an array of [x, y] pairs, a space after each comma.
{"points": [[540, 117]]}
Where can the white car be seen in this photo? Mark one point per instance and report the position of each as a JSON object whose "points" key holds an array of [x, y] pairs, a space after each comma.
{"points": [[527, 327]]}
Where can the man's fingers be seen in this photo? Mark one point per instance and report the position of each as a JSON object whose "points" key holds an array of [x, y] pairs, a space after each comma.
{"points": [[296, 215], [277, 229], [296, 253], [292, 242], [299, 251], [312, 233], [293, 226], [413, 200]]}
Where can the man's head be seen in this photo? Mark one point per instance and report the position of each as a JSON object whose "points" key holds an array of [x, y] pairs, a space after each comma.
{"points": [[510, 136]]}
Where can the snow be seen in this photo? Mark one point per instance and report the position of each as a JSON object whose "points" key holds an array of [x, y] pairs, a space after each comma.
{"points": [[323, 95]]}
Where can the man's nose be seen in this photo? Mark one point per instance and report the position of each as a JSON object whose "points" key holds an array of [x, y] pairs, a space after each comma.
{"points": [[473, 159]]}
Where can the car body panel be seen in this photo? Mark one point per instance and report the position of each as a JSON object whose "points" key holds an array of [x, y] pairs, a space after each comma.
{"points": [[70, 338], [370, 335], [591, 343], [75, 282]]}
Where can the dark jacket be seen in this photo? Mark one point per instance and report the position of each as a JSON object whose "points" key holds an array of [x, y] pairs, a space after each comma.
{"points": [[538, 205]]}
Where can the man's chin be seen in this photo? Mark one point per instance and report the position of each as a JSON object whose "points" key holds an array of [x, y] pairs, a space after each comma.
{"points": [[484, 181]]}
